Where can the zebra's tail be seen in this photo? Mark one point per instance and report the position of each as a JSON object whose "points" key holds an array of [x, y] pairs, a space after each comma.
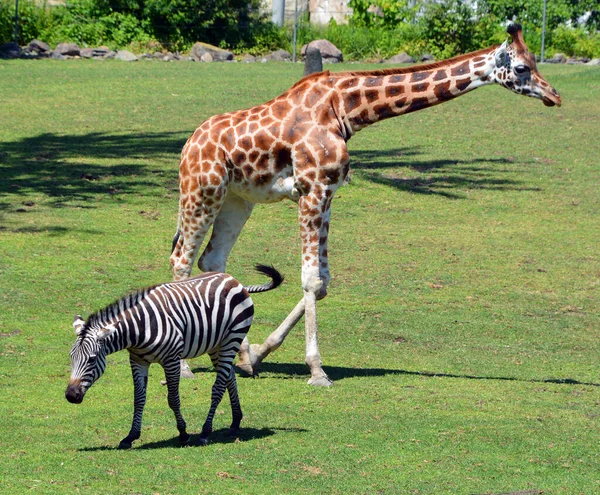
{"points": [[272, 273]]}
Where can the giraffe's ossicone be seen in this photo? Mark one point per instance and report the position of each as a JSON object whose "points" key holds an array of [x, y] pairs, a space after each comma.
{"points": [[294, 147]]}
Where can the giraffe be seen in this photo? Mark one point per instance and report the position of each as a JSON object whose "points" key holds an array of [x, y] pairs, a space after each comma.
{"points": [[294, 147]]}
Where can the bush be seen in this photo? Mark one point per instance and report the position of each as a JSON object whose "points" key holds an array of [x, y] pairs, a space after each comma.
{"points": [[575, 42], [33, 17]]}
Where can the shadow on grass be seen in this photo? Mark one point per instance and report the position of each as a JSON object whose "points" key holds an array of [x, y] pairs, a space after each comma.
{"points": [[444, 176], [66, 167], [337, 373], [217, 437]]}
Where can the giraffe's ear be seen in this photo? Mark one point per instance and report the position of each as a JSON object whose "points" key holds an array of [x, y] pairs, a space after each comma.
{"points": [[502, 54], [105, 332], [78, 324]]}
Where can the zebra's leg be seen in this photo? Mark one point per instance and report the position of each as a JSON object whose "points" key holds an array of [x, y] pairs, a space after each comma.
{"points": [[236, 408], [172, 375], [224, 369], [139, 370]]}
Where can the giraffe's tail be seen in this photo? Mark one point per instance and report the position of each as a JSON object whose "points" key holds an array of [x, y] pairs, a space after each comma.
{"points": [[271, 272], [175, 239]]}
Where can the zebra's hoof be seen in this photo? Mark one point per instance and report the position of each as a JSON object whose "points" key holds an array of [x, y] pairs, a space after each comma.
{"points": [[124, 445], [203, 442], [184, 440]]}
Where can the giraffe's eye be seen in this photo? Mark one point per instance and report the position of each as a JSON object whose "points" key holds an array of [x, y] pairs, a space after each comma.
{"points": [[521, 70]]}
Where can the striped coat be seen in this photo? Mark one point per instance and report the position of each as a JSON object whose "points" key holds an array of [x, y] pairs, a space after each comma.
{"points": [[208, 314]]}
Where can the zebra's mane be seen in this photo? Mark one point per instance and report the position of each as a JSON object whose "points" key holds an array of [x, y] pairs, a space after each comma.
{"points": [[111, 312]]}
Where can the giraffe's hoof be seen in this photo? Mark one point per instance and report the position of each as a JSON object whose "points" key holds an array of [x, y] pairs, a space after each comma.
{"points": [[320, 381], [249, 362], [187, 373]]}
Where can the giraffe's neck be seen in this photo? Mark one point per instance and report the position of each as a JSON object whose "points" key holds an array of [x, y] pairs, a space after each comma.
{"points": [[368, 97]]}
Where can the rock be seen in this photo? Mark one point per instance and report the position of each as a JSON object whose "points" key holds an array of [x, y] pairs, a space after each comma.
{"points": [[58, 56], [249, 59], [577, 60], [40, 47], [558, 58], [426, 57], [313, 61], [10, 50], [70, 49], [329, 52], [126, 56], [279, 56], [217, 54], [594, 61], [400, 58], [206, 57], [86, 52]]}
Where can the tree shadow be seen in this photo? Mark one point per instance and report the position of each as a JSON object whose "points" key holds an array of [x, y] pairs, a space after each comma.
{"points": [[444, 176], [217, 437], [338, 373], [67, 167]]}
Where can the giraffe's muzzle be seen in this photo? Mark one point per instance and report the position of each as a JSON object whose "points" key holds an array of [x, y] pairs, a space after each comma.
{"points": [[551, 98]]}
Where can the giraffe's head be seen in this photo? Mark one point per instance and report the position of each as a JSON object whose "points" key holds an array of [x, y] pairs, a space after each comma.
{"points": [[516, 70]]}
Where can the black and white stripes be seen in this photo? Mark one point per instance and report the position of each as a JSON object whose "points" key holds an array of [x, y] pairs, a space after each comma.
{"points": [[209, 314]]}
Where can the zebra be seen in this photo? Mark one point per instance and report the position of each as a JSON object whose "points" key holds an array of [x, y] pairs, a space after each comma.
{"points": [[210, 313]]}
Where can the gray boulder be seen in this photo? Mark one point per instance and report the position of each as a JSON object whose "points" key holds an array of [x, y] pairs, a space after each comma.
{"points": [[67, 49], [39, 47], [206, 57], [126, 56], [427, 58], [217, 54], [249, 59], [594, 61], [558, 58], [279, 56], [400, 58], [329, 52]]}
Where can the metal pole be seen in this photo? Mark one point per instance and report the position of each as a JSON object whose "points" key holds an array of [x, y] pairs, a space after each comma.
{"points": [[278, 12], [17, 22], [295, 32], [543, 32]]}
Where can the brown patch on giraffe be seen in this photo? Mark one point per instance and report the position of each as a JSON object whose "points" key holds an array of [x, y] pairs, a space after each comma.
{"points": [[329, 175], [397, 78], [238, 157], [460, 70], [281, 108], [384, 111], [283, 156], [348, 83], [266, 121], [253, 156], [263, 162], [313, 98], [419, 76], [325, 116], [237, 174], [262, 179], [461, 84], [248, 170], [372, 95], [419, 88], [245, 142], [373, 81], [417, 104], [392, 91], [209, 151], [252, 127], [352, 100], [215, 179], [240, 130], [206, 167], [263, 140], [442, 91], [227, 138], [440, 75]]}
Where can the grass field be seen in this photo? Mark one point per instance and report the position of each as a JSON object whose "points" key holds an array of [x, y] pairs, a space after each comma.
{"points": [[461, 328]]}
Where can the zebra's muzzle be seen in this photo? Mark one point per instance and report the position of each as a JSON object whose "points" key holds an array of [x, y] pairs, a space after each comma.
{"points": [[74, 394]]}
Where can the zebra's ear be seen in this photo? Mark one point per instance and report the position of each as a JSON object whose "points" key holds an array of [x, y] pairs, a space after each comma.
{"points": [[78, 324], [106, 331]]}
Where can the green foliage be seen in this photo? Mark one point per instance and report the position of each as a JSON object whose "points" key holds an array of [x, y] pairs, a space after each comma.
{"points": [[575, 42], [381, 13], [33, 16]]}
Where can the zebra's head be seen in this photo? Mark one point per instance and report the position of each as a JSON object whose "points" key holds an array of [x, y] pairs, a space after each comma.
{"points": [[88, 358]]}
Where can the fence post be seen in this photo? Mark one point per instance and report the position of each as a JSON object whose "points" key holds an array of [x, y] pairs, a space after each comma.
{"points": [[17, 22], [543, 32]]}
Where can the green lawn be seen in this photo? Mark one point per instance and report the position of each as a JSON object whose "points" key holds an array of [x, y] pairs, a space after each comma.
{"points": [[461, 328]]}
